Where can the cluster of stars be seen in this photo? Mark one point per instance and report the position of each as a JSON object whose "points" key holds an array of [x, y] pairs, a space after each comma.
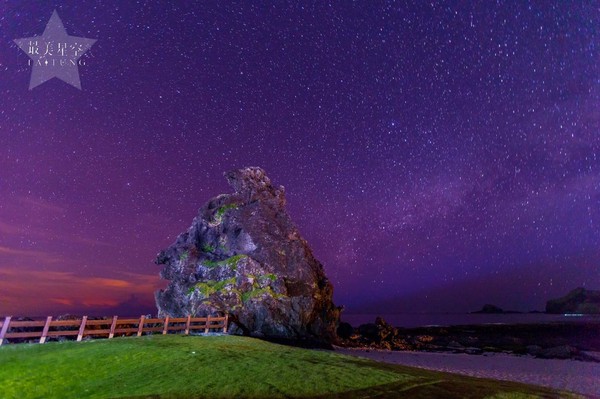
{"points": [[422, 145]]}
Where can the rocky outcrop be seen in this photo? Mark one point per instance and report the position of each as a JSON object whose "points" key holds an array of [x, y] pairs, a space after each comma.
{"points": [[579, 300], [243, 255]]}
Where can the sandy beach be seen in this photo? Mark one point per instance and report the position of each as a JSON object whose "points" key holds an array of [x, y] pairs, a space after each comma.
{"points": [[570, 375]]}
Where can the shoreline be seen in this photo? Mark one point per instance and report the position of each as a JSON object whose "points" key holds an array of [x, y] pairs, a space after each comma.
{"points": [[554, 340], [569, 375]]}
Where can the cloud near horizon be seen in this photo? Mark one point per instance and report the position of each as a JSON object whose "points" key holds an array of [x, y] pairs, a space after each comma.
{"points": [[50, 263], [27, 292]]}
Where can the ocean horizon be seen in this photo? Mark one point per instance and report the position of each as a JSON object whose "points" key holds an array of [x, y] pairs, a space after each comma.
{"points": [[412, 320]]}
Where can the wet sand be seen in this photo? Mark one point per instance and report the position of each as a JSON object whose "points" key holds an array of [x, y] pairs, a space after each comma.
{"points": [[569, 375]]}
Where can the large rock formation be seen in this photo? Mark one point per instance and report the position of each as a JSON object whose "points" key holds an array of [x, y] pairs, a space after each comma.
{"points": [[579, 300], [244, 256]]}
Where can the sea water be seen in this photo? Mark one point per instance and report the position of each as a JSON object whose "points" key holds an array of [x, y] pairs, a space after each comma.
{"points": [[410, 320]]}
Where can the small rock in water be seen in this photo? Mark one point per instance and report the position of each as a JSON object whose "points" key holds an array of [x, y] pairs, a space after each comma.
{"points": [[533, 349], [559, 352]]}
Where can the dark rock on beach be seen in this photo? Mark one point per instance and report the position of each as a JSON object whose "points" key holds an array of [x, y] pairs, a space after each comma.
{"points": [[559, 352], [345, 330], [243, 256], [533, 349]]}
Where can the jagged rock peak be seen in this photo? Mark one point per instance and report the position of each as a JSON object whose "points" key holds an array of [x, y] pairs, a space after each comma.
{"points": [[253, 181]]}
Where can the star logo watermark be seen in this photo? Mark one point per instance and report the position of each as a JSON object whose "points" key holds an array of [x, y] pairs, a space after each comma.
{"points": [[55, 54]]}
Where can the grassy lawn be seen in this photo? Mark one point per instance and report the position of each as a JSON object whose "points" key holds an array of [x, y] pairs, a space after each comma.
{"points": [[186, 367]]}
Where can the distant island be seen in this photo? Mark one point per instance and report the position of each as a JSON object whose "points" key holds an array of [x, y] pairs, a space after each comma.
{"points": [[493, 309], [579, 300]]}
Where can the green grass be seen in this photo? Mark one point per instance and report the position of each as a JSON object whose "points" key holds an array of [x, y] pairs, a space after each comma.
{"points": [[185, 367]]}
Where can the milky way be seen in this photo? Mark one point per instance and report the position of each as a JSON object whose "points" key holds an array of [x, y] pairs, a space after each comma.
{"points": [[435, 156]]}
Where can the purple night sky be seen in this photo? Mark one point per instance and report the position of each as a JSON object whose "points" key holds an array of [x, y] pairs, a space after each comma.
{"points": [[435, 156]]}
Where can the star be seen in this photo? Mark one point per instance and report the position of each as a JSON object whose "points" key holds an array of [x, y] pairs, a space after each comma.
{"points": [[55, 54]]}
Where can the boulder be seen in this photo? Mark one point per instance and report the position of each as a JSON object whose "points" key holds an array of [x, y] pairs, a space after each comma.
{"points": [[533, 349], [378, 332], [243, 256], [345, 330], [369, 332], [455, 345]]}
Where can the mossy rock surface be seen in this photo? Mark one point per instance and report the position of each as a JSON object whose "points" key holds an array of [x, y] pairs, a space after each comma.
{"points": [[244, 256]]}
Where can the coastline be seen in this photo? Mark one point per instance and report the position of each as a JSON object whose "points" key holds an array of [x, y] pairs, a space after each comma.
{"points": [[569, 375], [575, 340]]}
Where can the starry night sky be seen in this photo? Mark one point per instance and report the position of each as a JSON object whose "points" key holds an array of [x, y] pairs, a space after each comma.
{"points": [[435, 156]]}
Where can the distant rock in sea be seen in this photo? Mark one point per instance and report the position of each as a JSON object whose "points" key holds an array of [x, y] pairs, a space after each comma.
{"points": [[490, 309], [579, 300], [493, 309], [243, 256]]}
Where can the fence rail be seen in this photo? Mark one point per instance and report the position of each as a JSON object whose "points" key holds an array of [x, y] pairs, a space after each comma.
{"points": [[107, 327]]}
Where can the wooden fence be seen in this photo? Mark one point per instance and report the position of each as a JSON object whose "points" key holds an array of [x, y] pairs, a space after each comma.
{"points": [[107, 327]]}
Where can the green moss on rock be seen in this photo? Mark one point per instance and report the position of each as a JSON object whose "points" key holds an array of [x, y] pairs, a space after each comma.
{"points": [[259, 287], [257, 292], [209, 287], [208, 248], [218, 216], [231, 262]]}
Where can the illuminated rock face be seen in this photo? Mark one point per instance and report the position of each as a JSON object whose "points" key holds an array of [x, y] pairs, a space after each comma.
{"points": [[244, 256]]}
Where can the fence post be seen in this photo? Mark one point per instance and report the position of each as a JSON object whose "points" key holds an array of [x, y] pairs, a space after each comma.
{"points": [[141, 326], [4, 329], [225, 323], [166, 327], [45, 331], [207, 324], [81, 328], [112, 327], [187, 324]]}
